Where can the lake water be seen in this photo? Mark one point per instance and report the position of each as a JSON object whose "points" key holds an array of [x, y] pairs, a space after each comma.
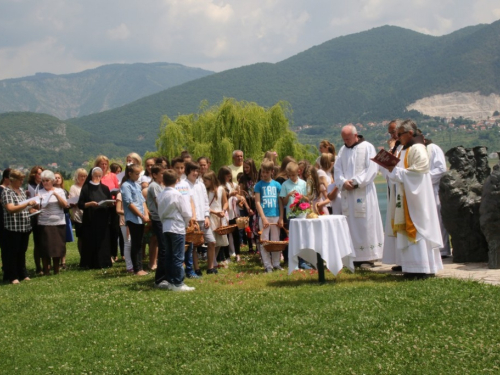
{"points": [[382, 200]]}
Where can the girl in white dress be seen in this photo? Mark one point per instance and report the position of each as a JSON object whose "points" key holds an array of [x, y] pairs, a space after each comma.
{"points": [[217, 199]]}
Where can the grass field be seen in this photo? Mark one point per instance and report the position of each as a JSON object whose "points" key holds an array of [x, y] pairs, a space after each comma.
{"points": [[243, 321]]}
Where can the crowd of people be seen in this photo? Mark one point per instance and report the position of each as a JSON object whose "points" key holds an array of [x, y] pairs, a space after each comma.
{"points": [[117, 212]]}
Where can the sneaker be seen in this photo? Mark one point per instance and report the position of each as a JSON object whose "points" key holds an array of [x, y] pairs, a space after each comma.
{"points": [[198, 272], [269, 270], [163, 285], [181, 288], [212, 270], [192, 276], [279, 268], [305, 266]]}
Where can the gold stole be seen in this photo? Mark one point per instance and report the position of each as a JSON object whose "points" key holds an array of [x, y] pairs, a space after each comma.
{"points": [[407, 227]]}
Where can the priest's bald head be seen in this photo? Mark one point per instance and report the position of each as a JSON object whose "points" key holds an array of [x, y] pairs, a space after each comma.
{"points": [[349, 135]]}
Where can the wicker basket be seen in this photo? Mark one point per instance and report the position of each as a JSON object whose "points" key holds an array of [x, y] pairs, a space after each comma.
{"points": [[194, 235], [242, 222], [274, 246], [226, 229]]}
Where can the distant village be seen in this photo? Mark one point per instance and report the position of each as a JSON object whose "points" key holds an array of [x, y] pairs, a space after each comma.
{"points": [[448, 123], [444, 124]]}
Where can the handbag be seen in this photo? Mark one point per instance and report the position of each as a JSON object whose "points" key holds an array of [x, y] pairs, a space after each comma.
{"points": [[69, 229]]}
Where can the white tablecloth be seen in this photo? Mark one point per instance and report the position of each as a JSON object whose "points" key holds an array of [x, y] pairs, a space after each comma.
{"points": [[327, 235]]}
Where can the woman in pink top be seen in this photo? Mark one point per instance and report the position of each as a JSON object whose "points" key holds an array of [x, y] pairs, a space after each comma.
{"points": [[110, 180]]}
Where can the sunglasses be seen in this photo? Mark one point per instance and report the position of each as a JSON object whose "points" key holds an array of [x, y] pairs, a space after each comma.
{"points": [[400, 134]]}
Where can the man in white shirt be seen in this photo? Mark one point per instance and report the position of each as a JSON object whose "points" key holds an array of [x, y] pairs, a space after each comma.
{"points": [[237, 166]]}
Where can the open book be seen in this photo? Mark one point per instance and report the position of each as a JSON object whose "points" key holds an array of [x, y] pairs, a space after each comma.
{"points": [[107, 202], [385, 159]]}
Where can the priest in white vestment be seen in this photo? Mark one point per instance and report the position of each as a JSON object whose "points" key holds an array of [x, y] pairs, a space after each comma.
{"points": [[437, 168], [412, 207], [390, 255], [354, 174]]}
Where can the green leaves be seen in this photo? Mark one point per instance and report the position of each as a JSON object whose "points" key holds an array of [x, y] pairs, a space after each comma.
{"points": [[232, 125]]}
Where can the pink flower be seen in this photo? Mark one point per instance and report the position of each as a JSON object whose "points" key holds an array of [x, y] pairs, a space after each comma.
{"points": [[304, 206]]}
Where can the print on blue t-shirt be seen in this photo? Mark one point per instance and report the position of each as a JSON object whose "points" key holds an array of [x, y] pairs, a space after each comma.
{"points": [[269, 193]]}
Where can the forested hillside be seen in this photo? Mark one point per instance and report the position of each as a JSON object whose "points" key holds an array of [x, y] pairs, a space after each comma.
{"points": [[32, 138], [91, 91], [369, 76]]}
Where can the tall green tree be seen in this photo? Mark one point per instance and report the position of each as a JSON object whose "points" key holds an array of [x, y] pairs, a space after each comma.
{"points": [[218, 130]]}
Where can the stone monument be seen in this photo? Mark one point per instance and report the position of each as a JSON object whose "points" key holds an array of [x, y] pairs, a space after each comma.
{"points": [[490, 216], [460, 195]]}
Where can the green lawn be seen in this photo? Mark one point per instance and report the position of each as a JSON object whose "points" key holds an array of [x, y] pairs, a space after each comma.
{"points": [[243, 321]]}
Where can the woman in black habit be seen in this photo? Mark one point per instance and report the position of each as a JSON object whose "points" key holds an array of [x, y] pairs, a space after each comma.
{"points": [[95, 222]]}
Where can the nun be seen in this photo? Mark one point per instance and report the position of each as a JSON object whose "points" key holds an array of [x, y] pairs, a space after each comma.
{"points": [[96, 247]]}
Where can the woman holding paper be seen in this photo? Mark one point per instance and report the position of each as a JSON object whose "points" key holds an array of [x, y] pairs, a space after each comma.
{"points": [[96, 239], [16, 230], [52, 223], [111, 181]]}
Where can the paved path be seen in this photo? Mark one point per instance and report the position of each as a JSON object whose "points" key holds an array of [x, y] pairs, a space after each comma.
{"points": [[474, 271]]}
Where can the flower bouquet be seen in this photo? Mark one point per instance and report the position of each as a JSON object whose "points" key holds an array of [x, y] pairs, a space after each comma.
{"points": [[300, 207]]}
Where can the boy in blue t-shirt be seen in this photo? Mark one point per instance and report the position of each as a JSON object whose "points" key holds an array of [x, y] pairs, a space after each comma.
{"points": [[288, 189], [292, 185], [270, 210]]}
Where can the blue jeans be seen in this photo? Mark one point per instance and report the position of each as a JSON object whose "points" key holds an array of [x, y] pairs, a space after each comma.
{"points": [[161, 268], [175, 257], [188, 259]]}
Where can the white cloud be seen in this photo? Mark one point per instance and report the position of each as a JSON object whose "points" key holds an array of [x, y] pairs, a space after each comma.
{"points": [[119, 33], [67, 36]]}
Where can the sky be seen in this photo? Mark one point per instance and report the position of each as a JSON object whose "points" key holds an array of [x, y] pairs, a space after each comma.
{"points": [[58, 36]]}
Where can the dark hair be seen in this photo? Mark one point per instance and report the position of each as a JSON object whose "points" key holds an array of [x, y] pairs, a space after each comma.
{"points": [[157, 168], [5, 175], [254, 174], [162, 159], [221, 175], [203, 157], [130, 168], [191, 166], [34, 170], [284, 163], [176, 160], [185, 155], [146, 172], [170, 177], [114, 167]]}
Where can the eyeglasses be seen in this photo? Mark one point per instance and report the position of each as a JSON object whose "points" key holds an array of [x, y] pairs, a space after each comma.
{"points": [[400, 134]]}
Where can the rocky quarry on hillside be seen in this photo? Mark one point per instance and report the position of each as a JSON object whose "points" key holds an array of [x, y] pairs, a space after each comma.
{"points": [[471, 105]]}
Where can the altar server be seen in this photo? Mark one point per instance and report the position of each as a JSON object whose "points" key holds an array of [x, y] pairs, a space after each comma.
{"points": [[354, 174]]}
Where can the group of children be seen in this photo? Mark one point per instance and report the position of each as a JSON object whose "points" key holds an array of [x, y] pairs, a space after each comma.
{"points": [[190, 193]]}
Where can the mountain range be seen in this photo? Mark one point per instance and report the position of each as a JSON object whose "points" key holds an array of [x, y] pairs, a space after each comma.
{"points": [[368, 76], [372, 75], [91, 91]]}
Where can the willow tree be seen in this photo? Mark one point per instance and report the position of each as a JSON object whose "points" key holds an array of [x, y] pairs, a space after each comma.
{"points": [[219, 130]]}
